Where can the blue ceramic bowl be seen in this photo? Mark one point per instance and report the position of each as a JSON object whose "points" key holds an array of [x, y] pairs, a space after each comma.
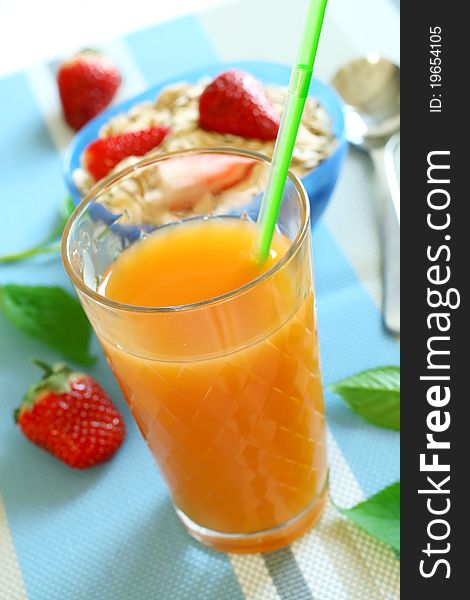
{"points": [[319, 183]]}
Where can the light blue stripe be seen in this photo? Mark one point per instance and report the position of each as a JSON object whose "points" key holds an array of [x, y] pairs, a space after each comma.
{"points": [[171, 48], [31, 186]]}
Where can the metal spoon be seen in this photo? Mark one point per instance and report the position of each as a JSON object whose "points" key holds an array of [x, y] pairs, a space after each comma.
{"points": [[370, 87]]}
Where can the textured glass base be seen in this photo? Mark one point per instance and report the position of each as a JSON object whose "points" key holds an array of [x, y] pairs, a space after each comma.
{"points": [[258, 541]]}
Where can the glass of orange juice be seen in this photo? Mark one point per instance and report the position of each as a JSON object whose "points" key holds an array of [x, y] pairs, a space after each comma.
{"points": [[217, 355]]}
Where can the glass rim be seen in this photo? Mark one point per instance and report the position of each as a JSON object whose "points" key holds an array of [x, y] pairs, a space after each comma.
{"points": [[109, 181]]}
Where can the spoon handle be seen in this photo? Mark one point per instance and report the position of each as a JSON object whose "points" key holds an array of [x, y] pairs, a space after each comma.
{"points": [[390, 211]]}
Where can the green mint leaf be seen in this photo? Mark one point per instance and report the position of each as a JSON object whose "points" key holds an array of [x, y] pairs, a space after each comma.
{"points": [[373, 394], [379, 516], [50, 315]]}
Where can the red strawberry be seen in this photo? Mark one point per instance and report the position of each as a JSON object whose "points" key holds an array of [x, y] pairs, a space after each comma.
{"points": [[71, 416], [87, 84], [105, 153], [235, 102]]}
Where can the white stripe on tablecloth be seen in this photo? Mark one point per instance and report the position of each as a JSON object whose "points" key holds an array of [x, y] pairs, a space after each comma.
{"points": [[253, 577], [318, 570], [42, 81], [356, 561], [352, 219], [11, 581], [376, 558]]}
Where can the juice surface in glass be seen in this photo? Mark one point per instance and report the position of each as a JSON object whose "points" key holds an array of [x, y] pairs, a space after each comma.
{"points": [[237, 426]]}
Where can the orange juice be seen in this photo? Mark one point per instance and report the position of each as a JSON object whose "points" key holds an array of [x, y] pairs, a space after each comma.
{"points": [[228, 397]]}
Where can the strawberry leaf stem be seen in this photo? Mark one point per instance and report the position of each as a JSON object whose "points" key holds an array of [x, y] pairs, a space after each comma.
{"points": [[43, 248], [44, 366]]}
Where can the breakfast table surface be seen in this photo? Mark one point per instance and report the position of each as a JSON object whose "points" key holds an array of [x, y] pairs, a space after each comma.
{"points": [[111, 532]]}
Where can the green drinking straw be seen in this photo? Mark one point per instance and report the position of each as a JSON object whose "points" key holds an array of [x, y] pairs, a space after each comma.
{"points": [[292, 114]]}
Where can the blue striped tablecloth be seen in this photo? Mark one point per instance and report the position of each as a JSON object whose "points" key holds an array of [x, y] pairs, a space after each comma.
{"points": [[110, 533]]}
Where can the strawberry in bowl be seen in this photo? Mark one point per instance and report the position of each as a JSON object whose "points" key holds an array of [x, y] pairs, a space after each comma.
{"points": [[237, 107], [236, 103], [102, 155]]}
